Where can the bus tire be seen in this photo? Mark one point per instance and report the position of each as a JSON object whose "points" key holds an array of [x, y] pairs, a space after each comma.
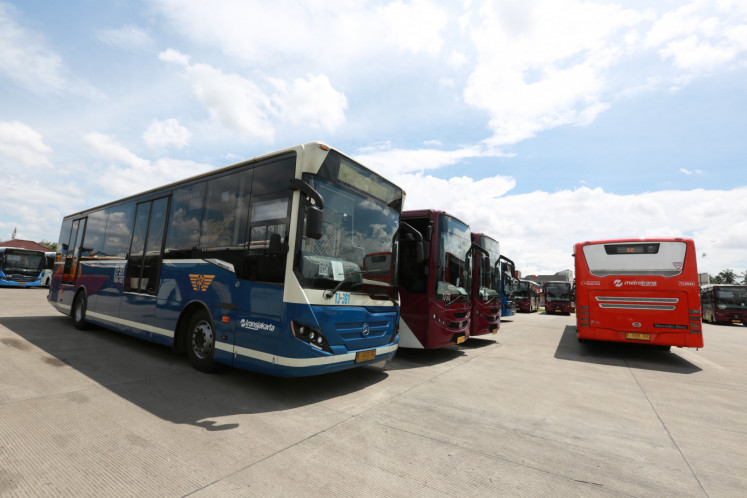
{"points": [[201, 341], [79, 311]]}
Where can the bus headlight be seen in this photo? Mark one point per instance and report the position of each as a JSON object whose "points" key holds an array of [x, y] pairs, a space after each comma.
{"points": [[310, 335]]}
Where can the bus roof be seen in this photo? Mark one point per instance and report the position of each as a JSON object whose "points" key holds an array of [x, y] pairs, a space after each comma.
{"points": [[207, 174], [635, 239], [427, 213]]}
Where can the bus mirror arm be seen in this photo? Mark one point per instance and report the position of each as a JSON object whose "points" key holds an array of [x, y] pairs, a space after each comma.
{"points": [[419, 252], [314, 211], [308, 191], [479, 249]]}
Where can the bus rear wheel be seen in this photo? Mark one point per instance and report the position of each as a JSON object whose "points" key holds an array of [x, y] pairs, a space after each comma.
{"points": [[79, 311], [201, 341]]}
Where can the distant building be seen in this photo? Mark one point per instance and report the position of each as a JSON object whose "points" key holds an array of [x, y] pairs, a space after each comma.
{"points": [[24, 244], [561, 276]]}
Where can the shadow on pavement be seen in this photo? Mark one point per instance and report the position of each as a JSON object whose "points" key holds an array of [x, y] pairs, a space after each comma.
{"points": [[640, 356], [154, 378], [417, 358], [480, 341]]}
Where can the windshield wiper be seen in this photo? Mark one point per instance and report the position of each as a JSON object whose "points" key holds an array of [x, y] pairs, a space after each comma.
{"points": [[329, 293], [452, 301]]}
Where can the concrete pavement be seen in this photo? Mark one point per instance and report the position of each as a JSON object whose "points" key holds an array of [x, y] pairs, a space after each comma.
{"points": [[529, 412]]}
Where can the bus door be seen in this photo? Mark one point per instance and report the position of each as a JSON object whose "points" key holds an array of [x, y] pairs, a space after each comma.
{"points": [[71, 262], [138, 303]]}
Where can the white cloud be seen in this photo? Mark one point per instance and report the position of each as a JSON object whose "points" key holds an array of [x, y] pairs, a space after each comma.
{"points": [[692, 54], [242, 106], [700, 36], [689, 172], [390, 162], [543, 64], [310, 101], [415, 27], [313, 34], [19, 142], [538, 229], [128, 174], [169, 133], [127, 37], [26, 59]]}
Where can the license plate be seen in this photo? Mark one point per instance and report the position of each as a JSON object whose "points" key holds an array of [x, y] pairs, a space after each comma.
{"points": [[361, 356], [461, 339], [736, 321], [638, 336]]}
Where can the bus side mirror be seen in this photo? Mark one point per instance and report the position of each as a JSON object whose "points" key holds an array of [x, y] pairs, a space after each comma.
{"points": [[314, 222]]}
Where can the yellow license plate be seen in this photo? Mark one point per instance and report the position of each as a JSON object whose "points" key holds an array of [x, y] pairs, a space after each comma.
{"points": [[361, 356], [461, 339], [638, 336]]}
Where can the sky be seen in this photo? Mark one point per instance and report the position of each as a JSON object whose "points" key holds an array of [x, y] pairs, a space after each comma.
{"points": [[538, 122]]}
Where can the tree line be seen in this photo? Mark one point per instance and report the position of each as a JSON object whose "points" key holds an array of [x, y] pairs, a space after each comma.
{"points": [[729, 276]]}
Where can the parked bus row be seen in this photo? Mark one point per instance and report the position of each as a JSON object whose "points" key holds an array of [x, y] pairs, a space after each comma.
{"points": [[453, 291], [301, 262], [295, 263]]}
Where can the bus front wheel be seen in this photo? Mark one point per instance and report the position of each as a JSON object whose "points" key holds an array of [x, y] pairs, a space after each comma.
{"points": [[79, 311], [201, 341]]}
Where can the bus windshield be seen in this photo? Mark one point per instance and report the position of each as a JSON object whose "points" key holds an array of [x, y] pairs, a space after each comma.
{"points": [[636, 258], [560, 292], [452, 265], [358, 229], [521, 290], [23, 263], [489, 274], [731, 298]]}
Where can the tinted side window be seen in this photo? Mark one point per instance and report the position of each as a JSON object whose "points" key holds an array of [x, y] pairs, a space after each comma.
{"points": [[64, 243], [412, 275], [185, 219], [226, 208], [269, 221], [93, 245], [118, 230]]}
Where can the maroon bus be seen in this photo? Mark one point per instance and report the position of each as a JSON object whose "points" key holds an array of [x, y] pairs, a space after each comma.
{"points": [[486, 286], [527, 296], [557, 297], [722, 303], [435, 303]]}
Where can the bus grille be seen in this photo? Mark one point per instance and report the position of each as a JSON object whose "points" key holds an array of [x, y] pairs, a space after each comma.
{"points": [[638, 303]]}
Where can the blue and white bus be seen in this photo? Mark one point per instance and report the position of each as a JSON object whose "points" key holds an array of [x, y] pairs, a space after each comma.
{"points": [[263, 265], [508, 283], [20, 267]]}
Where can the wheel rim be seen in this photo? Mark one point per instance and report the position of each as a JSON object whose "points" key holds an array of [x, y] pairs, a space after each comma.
{"points": [[202, 339]]}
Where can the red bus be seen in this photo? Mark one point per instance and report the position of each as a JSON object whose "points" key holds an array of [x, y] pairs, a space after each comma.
{"points": [[435, 302], [557, 297], [486, 287], [723, 303], [527, 296], [638, 290]]}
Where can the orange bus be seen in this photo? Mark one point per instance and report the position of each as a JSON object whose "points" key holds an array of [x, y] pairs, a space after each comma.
{"points": [[638, 290]]}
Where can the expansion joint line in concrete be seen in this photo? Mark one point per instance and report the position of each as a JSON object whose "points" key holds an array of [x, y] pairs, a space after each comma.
{"points": [[664, 425]]}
